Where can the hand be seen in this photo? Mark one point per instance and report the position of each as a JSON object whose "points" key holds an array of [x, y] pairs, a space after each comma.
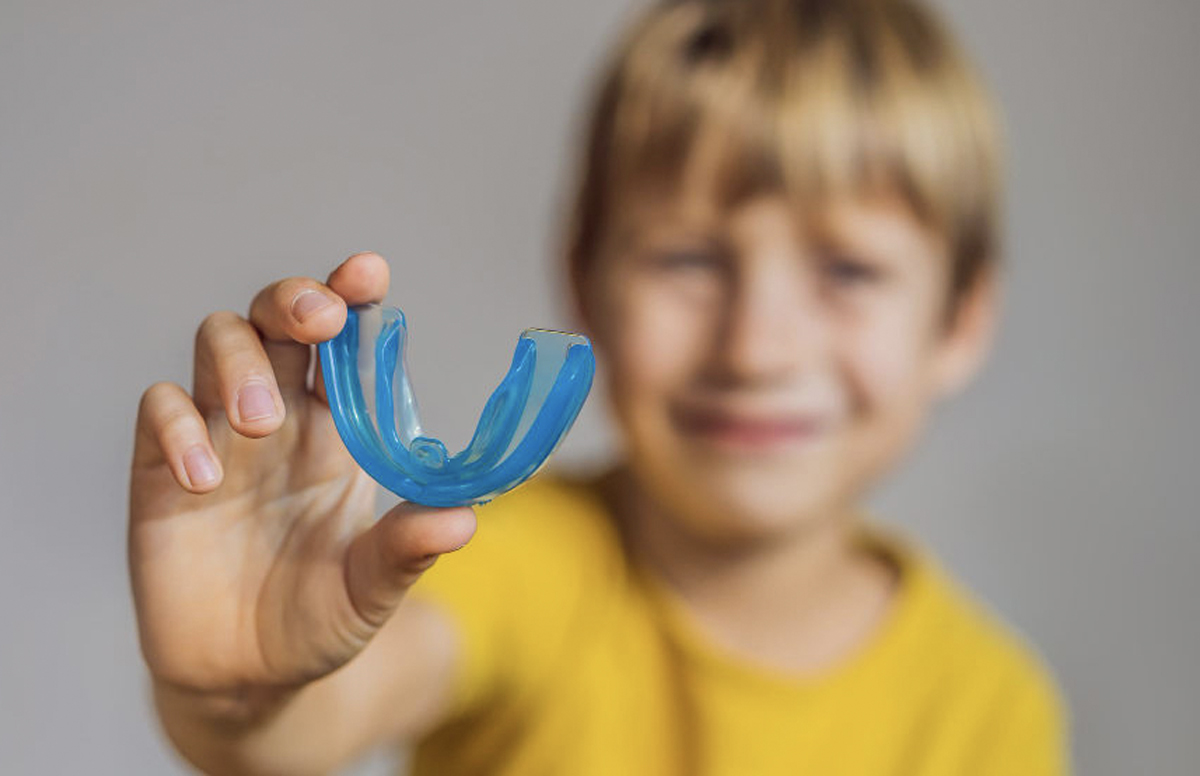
{"points": [[254, 558]]}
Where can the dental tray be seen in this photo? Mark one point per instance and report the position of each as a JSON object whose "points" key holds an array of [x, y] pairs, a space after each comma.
{"points": [[526, 417]]}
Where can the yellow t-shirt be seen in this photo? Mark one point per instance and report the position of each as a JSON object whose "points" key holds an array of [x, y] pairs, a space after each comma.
{"points": [[575, 661]]}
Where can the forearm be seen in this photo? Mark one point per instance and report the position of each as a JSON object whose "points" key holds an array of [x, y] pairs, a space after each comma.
{"points": [[393, 691]]}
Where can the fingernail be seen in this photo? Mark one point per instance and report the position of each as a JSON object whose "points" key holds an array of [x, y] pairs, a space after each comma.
{"points": [[200, 468], [255, 402], [309, 302]]}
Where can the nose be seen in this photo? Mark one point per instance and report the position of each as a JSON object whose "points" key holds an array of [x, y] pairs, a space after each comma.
{"points": [[770, 328]]}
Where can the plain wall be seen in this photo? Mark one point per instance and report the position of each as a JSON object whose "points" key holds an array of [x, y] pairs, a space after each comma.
{"points": [[162, 160]]}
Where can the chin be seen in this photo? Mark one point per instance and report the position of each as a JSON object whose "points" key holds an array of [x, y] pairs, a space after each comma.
{"points": [[740, 502]]}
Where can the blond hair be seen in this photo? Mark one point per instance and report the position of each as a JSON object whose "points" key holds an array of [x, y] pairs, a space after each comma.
{"points": [[812, 97]]}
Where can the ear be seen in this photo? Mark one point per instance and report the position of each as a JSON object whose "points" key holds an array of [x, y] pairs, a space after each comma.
{"points": [[967, 338], [585, 292], [582, 306]]}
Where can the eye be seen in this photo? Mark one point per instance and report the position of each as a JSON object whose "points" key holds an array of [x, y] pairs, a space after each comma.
{"points": [[847, 270], [688, 260]]}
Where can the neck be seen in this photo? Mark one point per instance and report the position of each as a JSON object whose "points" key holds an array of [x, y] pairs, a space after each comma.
{"points": [[796, 599]]}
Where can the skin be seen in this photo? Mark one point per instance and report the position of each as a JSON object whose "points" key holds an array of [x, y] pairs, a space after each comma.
{"points": [[764, 371], [256, 564]]}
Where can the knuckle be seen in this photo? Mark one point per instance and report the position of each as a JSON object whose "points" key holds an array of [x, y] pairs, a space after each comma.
{"points": [[157, 396], [156, 392], [215, 323], [176, 427]]}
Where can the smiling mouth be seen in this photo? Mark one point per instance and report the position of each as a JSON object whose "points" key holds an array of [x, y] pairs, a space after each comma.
{"points": [[746, 432]]}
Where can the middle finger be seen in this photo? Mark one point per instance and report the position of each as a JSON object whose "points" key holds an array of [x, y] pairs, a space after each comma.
{"points": [[293, 314], [233, 373]]}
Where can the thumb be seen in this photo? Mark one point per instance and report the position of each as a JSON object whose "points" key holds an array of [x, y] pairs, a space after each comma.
{"points": [[386, 559]]}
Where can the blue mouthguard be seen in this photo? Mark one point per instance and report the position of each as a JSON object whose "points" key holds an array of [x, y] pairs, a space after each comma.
{"points": [[375, 411]]}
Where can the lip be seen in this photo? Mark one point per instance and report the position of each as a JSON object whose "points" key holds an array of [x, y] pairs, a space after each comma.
{"points": [[745, 431]]}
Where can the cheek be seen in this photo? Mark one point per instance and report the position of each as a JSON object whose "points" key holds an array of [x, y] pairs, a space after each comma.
{"points": [[880, 364], [885, 356], [656, 342], [884, 361]]}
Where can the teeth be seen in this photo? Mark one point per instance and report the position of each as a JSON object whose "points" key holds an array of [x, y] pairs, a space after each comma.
{"points": [[522, 423]]}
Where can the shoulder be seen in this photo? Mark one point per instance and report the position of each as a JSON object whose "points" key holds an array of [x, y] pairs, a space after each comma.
{"points": [[981, 647], [978, 673], [969, 654]]}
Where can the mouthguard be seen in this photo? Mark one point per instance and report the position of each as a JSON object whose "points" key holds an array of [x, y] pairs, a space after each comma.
{"points": [[375, 411]]}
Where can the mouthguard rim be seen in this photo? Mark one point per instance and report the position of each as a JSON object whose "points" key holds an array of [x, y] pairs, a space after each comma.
{"points": [[501, 465]]}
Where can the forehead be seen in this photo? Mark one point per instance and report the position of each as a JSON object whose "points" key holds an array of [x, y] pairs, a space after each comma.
{"points": [[879, 218], [727, 158]]}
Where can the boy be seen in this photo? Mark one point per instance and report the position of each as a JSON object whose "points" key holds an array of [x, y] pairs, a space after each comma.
{"points": [[783, 247]]}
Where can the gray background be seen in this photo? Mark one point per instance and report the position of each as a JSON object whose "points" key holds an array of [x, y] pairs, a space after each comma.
{"points": [[162, 160]]}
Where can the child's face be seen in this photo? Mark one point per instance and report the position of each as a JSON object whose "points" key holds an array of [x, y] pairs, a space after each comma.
{"points": [[765, 371]]}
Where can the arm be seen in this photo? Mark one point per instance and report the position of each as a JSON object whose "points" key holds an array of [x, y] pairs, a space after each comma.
{"points": [[266, 594]]}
